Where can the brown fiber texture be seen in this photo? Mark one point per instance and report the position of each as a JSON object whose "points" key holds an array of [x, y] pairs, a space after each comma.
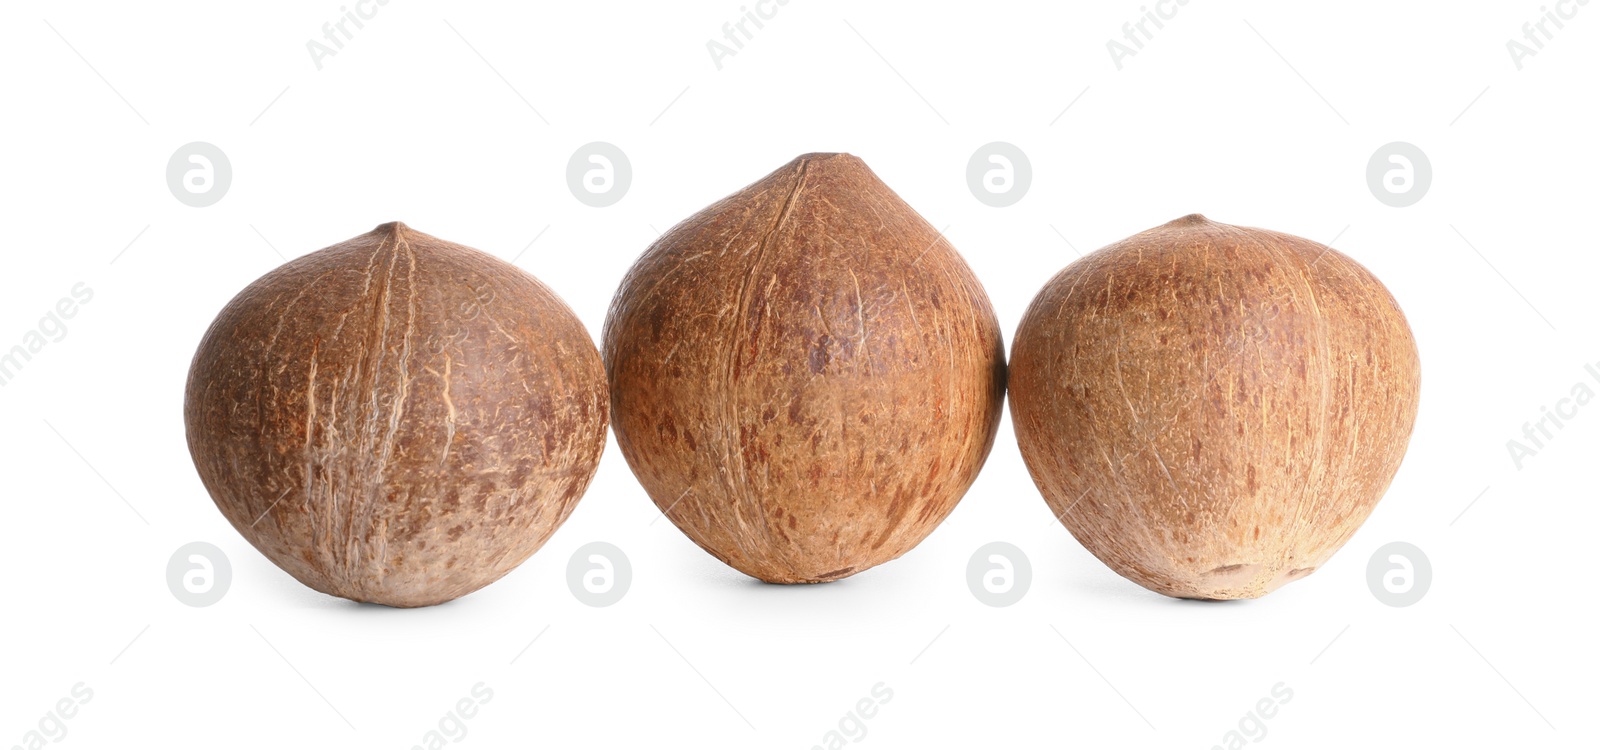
{"points": [[1213, 410], [396, 419], [806, 377]]}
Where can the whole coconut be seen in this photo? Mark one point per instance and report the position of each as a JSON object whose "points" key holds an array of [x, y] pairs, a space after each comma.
{"points": [[1213, 410], [396, 419], [806, 376]]}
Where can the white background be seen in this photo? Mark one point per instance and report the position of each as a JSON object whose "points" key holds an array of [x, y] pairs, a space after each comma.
{"points": [[409, 123]]}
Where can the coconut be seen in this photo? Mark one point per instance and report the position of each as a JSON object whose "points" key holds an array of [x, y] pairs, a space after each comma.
{"points": [[1213, 410], [396, 419], [806, 377]]}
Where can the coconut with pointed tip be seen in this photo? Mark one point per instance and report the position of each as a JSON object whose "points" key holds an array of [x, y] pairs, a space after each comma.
{"points": [[396, 419], [806, 377], [1213, 410]]}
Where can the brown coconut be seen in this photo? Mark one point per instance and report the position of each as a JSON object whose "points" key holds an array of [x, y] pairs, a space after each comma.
{"points": [[396, 419], [1213, 410], [806, 377]]}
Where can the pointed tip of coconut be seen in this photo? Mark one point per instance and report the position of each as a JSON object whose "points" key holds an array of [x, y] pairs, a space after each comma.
{"points": [[826, 156], [400, 233], [1189, 221], [830, 167], [825, 161]]}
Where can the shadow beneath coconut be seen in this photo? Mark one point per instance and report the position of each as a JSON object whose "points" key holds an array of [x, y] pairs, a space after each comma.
{"points": [[698, 581], [1114, 587], [760, 585], [373, 609], [316, 600], [295, 594], [1198, 602]]}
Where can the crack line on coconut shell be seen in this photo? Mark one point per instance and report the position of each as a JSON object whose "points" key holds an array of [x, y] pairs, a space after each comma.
{"points": [[738, 313], [1319, 466]]}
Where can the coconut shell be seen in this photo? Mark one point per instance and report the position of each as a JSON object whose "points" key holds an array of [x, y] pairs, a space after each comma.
{"points": [[396, 419], [1213, 410], [806, 377]]}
